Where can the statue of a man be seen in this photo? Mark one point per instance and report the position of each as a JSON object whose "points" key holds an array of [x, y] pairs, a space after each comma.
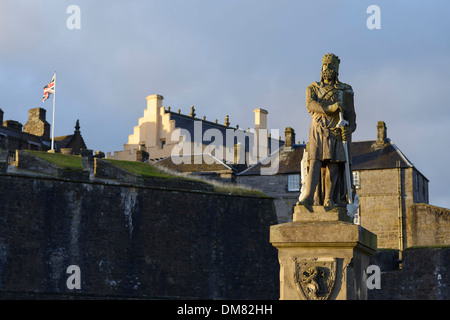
{"points": [[325, 179]]}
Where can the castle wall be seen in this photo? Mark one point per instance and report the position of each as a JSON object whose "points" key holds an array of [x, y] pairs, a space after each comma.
{"points": [[427, 225], [276, 186], [131, 241], [424, 275], [379, 205]]}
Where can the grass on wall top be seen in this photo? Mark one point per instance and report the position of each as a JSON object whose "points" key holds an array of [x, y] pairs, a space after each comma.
{"points": [[64, 161], [73, 163]]}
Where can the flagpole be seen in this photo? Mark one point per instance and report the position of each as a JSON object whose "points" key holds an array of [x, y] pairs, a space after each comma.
{"points": [[53, 120]]}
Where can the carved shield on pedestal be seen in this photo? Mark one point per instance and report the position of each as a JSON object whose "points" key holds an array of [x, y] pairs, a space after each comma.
{"points": [[315, 277]]}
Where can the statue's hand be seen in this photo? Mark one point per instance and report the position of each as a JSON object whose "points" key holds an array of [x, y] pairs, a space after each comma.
{"points": [[332, 108], [345, 133]]}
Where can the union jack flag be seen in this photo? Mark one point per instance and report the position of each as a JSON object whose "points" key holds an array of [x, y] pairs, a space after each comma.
{"points": [[50, 88]]}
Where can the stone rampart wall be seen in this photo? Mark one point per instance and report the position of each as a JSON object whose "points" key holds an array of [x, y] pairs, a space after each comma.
{"points": [[133, 241]]}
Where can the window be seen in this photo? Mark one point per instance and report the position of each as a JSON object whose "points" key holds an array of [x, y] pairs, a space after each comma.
{"points": [[163, 143], [294, 182], [356, 179]]}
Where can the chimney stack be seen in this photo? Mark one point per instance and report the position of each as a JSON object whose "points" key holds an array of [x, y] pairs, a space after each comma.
{"points": [[1, 117], [36, 124], [289, 137], [237, 153], [260, 118], [261, 133], [381, 133]]}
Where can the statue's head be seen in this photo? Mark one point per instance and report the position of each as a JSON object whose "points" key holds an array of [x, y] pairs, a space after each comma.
{"points": [[330, 67]]}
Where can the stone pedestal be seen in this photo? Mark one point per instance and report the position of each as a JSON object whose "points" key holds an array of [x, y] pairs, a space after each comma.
{"points": [[322, 255]]}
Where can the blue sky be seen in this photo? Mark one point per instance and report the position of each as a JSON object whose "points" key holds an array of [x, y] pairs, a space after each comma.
{"points": [[230, 57]]}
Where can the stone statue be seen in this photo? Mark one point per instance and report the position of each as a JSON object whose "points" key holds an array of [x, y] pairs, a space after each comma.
{"points": [[329, 102]]}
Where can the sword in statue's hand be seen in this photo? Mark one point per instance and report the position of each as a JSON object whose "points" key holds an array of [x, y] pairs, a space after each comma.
{"points": [[351, 207]]}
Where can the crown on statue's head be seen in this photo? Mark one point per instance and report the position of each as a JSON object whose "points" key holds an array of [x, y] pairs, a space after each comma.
{"points": [[333, 59]]}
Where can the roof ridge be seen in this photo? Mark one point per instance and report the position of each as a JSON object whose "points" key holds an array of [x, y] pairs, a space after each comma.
{"points": [[260, 161], [409, 163]]}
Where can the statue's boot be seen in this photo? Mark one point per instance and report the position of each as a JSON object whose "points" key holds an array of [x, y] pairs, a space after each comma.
{"points": [[306, 202], [330, 184], [311, 183]]}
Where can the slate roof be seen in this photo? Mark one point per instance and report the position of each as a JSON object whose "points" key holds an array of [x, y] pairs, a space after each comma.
{"points": [[289, 161], [63, 141], [366, 155], [71, 140], [196, 163], [20, 135], [74, 140], [187, 122]]}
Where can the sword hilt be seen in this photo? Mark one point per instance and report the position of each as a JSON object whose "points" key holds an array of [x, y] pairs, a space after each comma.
{"points": [[342, 123]]}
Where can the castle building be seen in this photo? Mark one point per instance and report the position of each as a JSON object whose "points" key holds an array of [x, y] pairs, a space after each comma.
{"points": [[35, 135], [160, 130], [393, 193], [203, 166], [284, 186], [72, 143]]}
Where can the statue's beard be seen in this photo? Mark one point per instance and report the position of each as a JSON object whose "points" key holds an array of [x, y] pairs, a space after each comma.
{"points": [[329, 74]]}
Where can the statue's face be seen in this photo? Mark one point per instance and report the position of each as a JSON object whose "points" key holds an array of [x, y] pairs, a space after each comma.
{"points": [[329, 71]]}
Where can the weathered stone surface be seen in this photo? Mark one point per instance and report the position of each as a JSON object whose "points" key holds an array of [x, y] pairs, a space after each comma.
{"points": [[133, 242], [27, 161], [3, 159], [320, 213], [331, 106], [317, 234], [329, 237], [427, 225], [36, 124], [424, 276], [107, 170]]}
